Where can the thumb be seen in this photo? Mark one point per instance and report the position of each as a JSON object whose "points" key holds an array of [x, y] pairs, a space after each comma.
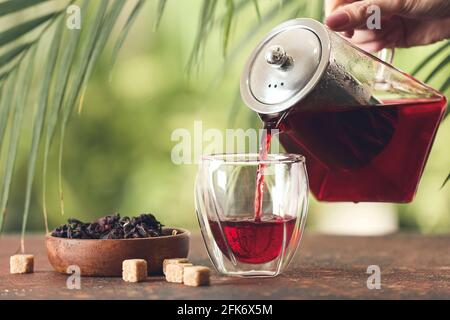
{"points": [[355, 15]]}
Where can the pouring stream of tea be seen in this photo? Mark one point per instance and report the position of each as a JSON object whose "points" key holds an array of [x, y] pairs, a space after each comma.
{"points": [[264, 148]]}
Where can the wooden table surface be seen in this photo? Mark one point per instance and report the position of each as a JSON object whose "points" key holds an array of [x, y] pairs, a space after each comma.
{"points": [[412, 267]]}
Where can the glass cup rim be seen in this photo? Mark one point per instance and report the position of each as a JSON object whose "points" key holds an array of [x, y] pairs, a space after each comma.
{"points": [[253, 158]]}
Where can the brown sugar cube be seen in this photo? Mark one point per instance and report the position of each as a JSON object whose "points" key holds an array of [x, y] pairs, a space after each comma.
{"points": [[134, 270], [172, 261], [174, 272], [196, 276], [21, 263]]}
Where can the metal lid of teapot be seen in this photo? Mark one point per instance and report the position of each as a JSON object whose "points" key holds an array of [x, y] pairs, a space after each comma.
{"points": [[285, 66]]}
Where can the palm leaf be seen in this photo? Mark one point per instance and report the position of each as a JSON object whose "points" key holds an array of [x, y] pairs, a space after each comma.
{"points": [[39, 121], [445, 86], [61, 82], [438, 68], [227, 25], [430, 57], [159, 14], [12, 6], [19, 106], [445, 181], [300, 8], [73, 92], [205, 24], [6, 105], [14, 53], [244, 40], [104, 22], [126, 29], [258, 12], [18, 31], [106, 28], [5, 75]]}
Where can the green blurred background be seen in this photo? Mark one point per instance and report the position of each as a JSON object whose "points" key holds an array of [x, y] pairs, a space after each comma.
{"points": [[117, 150]]}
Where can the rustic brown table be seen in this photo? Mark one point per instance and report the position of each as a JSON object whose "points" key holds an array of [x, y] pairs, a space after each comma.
{"points": [[412, 266]]}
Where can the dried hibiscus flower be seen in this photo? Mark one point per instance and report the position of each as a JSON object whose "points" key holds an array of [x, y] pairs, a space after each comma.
{"points": [[111, 227]]}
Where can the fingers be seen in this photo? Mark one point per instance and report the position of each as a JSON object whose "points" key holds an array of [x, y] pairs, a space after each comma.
{"points": [[349, 33], [403, 33], [393, 31], [429, 9], [374, 40], [354, 15], [364, 36], [332, 5], [405, 23], [375, 46], [426, 32]]}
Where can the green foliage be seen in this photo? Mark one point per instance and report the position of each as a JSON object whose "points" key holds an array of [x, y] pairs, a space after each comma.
{"points": [[435, 65], [228, 19], [446, 180], [205, 25], [161, 7], [38, 121], [71, 58], [440, 58], [127, 27], [23, 82], [12, 6]]}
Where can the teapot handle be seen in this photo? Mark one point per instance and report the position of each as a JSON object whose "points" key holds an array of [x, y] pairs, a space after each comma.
{"points": [[386, 55]]}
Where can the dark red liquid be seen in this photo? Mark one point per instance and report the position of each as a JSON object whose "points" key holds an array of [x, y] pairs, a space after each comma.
{"points": [[367, 153], [263, 151], [252, 241]]}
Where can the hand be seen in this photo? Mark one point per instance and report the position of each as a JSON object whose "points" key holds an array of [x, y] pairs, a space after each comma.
{"points": [[404, 23]]}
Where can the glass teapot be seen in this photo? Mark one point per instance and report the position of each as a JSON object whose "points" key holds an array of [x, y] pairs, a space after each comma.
{"points": [[365, 128]]}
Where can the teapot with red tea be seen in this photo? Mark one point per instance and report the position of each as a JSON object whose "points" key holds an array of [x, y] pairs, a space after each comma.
{"points": [[365, 128]]}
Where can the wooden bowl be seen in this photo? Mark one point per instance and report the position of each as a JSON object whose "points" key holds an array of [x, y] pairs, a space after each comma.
{"points": [[103, 258]]}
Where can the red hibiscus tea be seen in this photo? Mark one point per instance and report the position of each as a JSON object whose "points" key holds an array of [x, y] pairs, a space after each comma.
{"points": [[252, 210], [253, 240], [263, 152], [366, 153], [258, 239]]}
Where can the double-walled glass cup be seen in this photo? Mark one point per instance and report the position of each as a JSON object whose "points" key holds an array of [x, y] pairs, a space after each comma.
{"points": [[239, 242]]}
